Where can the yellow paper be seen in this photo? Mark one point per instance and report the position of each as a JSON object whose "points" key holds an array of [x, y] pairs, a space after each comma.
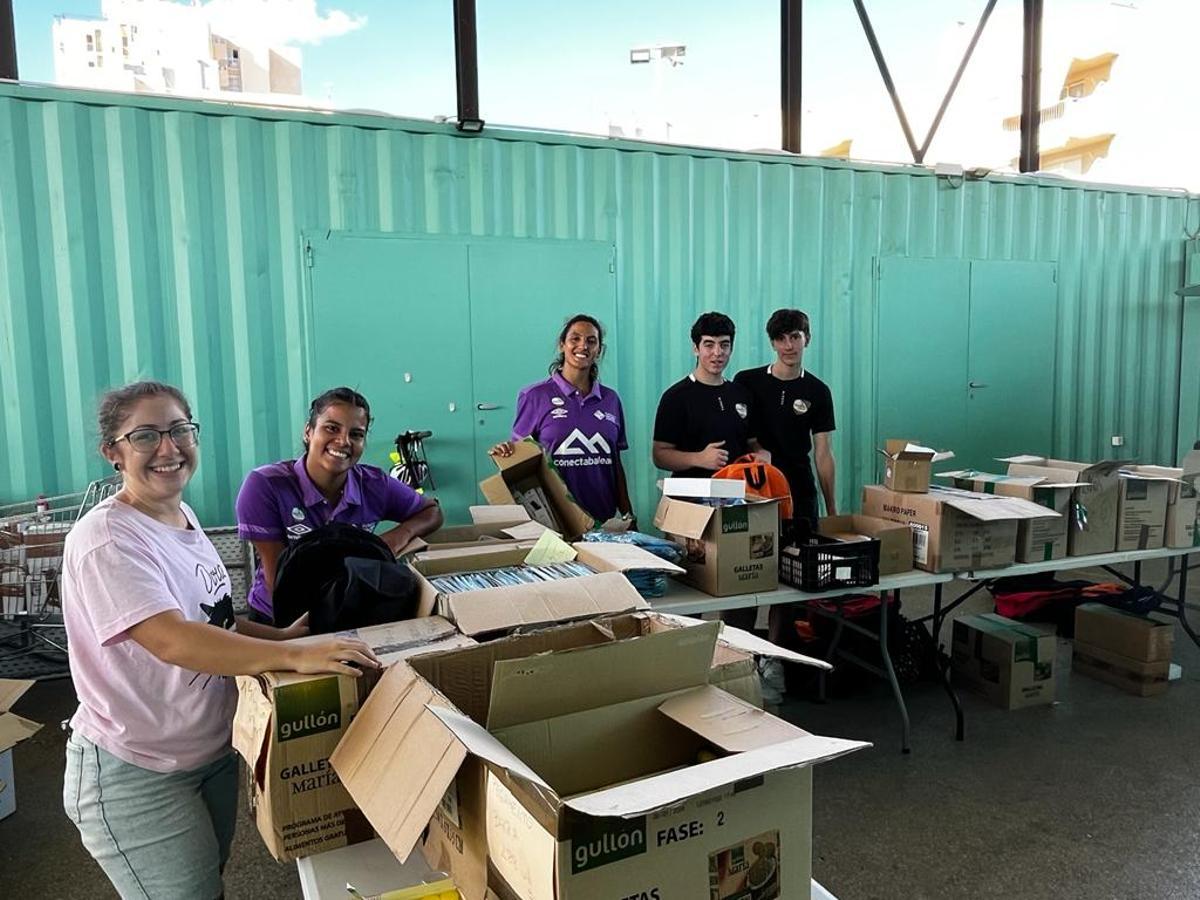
{"points": [[549, 549]]}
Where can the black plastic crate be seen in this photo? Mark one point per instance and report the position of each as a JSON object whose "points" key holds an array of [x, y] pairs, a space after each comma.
{"points": [[814, 562]]}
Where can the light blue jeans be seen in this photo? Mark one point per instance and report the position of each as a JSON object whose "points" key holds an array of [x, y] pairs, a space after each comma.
{"points": [[157, 835]]}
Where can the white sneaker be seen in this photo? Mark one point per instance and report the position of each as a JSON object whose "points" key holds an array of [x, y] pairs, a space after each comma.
{"points": [[771, 680]]}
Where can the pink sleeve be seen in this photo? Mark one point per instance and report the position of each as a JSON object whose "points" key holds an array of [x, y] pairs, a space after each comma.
{"points": [[118, 586]]}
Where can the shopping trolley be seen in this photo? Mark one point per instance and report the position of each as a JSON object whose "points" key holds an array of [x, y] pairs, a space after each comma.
{"points": [[32, 534]]}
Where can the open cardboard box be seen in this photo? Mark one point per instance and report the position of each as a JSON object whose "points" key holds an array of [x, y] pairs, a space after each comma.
{"points": [[1142, 508], [1037, 539], [502, 608], [13, 730], [895, 540], [287, 725], [908, 465], [955, 530], [528, 467], [554, 769], [1093, 522], [728, 549], [490, 525], [1182, 499]]}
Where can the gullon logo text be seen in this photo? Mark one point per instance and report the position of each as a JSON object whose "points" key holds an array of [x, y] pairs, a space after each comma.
{"points": [[310, 724]]}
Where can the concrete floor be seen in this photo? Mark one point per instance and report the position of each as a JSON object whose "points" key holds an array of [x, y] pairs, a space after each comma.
{"points": [[1095, 797]]}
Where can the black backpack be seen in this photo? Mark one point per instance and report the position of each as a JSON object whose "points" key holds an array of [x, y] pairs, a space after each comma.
{"points": [[344, 577]]}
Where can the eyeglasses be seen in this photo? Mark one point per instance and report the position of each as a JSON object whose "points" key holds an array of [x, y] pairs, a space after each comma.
{"points": [[146, 440]]}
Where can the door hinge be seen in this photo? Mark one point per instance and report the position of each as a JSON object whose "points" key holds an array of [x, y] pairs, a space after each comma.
{"points": [[612, 262], [308, 254]]}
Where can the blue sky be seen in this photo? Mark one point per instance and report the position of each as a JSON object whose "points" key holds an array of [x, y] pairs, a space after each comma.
{"points": [[565, 64]]}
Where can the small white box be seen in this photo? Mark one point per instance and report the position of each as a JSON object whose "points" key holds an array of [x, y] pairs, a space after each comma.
{"points": [[724, 488]]}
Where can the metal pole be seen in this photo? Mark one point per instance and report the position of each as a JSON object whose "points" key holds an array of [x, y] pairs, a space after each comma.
{"points": [[8, 41], [1031, 87], [789, 71], [466, 61], [887, 80], [962, 66]]}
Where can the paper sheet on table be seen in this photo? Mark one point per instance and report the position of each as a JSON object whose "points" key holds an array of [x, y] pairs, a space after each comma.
{"points": [[550, 549]]}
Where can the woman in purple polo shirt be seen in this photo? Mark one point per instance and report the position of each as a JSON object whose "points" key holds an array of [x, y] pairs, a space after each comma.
{"points": [[286, 500], [579, 422]]}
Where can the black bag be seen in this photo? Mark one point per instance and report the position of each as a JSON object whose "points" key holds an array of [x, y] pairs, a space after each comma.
{"points": [[344, 577]]}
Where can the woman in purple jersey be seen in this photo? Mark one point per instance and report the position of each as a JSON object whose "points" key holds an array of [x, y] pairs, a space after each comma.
{"points": [[579, 422]]}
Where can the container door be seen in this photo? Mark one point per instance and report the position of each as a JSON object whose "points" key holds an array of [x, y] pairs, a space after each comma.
{"points": [[1010, 383], [924, 307], [390, 318], [521, 294]]}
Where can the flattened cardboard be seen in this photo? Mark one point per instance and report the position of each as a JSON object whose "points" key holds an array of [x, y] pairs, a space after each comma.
{"points": [[528, 462], [1140, 638], [14, 728], [728, 550], [1011, 663], [895, 540]]}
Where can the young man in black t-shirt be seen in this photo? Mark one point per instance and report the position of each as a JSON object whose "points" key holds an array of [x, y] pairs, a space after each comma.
{"points": [[704, 422], [793, 414]]}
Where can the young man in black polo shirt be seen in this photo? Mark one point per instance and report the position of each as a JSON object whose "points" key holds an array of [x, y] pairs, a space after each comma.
{"points": [[704, 422], [793, 415]]}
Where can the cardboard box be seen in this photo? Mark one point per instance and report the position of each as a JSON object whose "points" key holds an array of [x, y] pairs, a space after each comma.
{"points": [[529, 474], [1182, 499], [895, 540], [286, 727], [504, 608], [1142, 638], [1093, 525], [1010, 663], [541, 793], [1141, 511], [729, 549], [1041, 539], [907, 465], [13, 730], [490, 525], [1134, 676], [954, 530]]}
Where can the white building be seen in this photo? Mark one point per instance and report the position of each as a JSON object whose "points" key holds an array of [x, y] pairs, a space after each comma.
{"points": [[163, 47]]}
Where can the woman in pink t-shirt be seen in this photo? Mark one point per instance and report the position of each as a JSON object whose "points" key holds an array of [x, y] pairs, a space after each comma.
{"points": [[151, 779]]}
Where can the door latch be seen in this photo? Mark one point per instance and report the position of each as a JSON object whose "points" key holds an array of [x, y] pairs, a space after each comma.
{"points": [[975, 385], [484, 407]]}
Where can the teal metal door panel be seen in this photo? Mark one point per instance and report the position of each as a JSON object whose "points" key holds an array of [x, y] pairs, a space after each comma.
{"points": [[1010, 387], [391, 319], [922, 350], [521, 294]]}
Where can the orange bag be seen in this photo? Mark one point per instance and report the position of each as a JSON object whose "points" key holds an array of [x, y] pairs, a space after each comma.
{"points": [[763, 480]]}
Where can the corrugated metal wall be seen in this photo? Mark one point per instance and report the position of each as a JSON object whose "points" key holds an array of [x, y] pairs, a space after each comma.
{"points": [[142, 237]]}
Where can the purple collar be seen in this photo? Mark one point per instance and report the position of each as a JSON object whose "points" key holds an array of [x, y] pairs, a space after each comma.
{"points": [[568, 389], [311, 494]]}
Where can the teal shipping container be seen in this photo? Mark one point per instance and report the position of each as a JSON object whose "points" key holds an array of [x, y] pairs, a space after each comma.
{"points": [[256, 256]]}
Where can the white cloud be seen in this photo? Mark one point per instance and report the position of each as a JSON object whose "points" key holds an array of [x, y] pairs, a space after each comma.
{"points": [[281, 22]]}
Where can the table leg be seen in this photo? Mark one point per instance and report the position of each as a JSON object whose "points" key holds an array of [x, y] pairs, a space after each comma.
{"points": [[944, 670], [891, 672], [1183, 620]]}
